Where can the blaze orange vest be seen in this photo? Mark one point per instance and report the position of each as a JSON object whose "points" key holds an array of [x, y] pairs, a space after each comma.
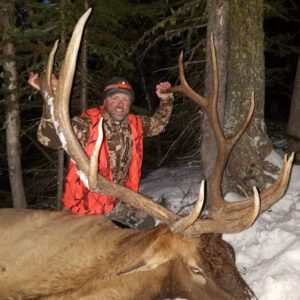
{"points": [[77, 196]]}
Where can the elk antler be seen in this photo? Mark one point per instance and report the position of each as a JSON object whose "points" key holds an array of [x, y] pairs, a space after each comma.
{"points": [[88, 171], [224, 216]]}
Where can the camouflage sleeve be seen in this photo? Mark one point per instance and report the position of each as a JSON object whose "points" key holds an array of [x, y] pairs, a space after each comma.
{"points": [[156, 124], [46, 133]]}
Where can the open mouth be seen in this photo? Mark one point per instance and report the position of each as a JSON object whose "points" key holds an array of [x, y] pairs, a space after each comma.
{"points": [[119, 112]]}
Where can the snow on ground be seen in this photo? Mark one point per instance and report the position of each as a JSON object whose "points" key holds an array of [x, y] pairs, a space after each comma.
{"points": [[268, 253]]}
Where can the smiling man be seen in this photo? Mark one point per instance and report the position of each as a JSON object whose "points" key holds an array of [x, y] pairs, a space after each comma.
{"points": [[121, 154]]}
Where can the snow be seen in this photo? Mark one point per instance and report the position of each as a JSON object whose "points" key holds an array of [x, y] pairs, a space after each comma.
{"points": [[268, 253]]}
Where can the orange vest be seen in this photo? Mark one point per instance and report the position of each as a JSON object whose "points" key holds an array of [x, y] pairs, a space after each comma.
{"points": [[77, 197]]}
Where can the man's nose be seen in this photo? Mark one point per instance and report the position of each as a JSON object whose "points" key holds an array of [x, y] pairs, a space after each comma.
{"points": [[120, 104]]}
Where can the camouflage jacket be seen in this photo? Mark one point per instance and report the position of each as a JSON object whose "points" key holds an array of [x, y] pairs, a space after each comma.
{"points": [[118, 135]]}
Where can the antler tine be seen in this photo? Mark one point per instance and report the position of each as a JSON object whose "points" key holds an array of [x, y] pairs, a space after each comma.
{"points": [[184, 223], [93, 170], [49, 68], [184, 87], [61, 120], [45, 78], [271, 194], [224, 148], [246, 123], [62, 99], [277, 189], [232, 225]]}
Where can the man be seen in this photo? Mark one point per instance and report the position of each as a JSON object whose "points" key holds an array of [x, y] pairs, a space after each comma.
{"points": [[121, 155]]}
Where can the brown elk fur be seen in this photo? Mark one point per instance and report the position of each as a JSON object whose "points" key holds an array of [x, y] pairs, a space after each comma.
{"points": [[58, 255]]}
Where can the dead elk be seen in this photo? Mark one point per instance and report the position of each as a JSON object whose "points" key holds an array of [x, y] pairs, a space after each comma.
{"points": [[57, 255]]}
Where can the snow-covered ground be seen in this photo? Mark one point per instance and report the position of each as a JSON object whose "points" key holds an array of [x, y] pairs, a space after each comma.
{"points": [[268, 253]]}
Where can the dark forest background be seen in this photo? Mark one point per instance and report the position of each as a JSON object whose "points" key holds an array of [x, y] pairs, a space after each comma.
{"points": [[140, 40]]}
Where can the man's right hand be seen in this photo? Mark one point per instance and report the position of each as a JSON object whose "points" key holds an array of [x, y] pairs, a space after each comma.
{"points": [[34, 81]]}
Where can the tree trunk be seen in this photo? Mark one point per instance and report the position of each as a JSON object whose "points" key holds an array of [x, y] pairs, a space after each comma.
{"points": [[246, 73], [293, 127], [218, 17], [7, 20]]}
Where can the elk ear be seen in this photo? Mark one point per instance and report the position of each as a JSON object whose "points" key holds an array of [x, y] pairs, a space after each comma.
{"points": [[148, 261], [144, 265], [153, 255], [133, 268]]}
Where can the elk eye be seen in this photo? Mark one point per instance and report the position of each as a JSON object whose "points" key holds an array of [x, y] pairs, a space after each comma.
{"points": [[196, 271]]}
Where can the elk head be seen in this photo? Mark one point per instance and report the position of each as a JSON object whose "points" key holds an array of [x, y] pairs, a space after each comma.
{"points": [[210, 270]]}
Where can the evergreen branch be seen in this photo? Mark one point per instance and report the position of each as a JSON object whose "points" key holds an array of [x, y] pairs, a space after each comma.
{"points": [[187, 8]]}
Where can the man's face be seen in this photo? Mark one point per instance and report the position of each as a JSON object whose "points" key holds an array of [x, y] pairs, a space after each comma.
{"points": [[118, 106]]}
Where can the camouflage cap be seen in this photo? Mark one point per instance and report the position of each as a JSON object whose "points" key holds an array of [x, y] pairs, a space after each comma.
{"points": [[116, 85]]}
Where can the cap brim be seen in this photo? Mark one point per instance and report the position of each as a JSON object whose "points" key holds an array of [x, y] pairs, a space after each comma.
{"points": [[119, 91]]}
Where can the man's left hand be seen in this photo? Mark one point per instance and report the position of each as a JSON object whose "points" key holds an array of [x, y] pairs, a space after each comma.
{"points": [[163, 86]]}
